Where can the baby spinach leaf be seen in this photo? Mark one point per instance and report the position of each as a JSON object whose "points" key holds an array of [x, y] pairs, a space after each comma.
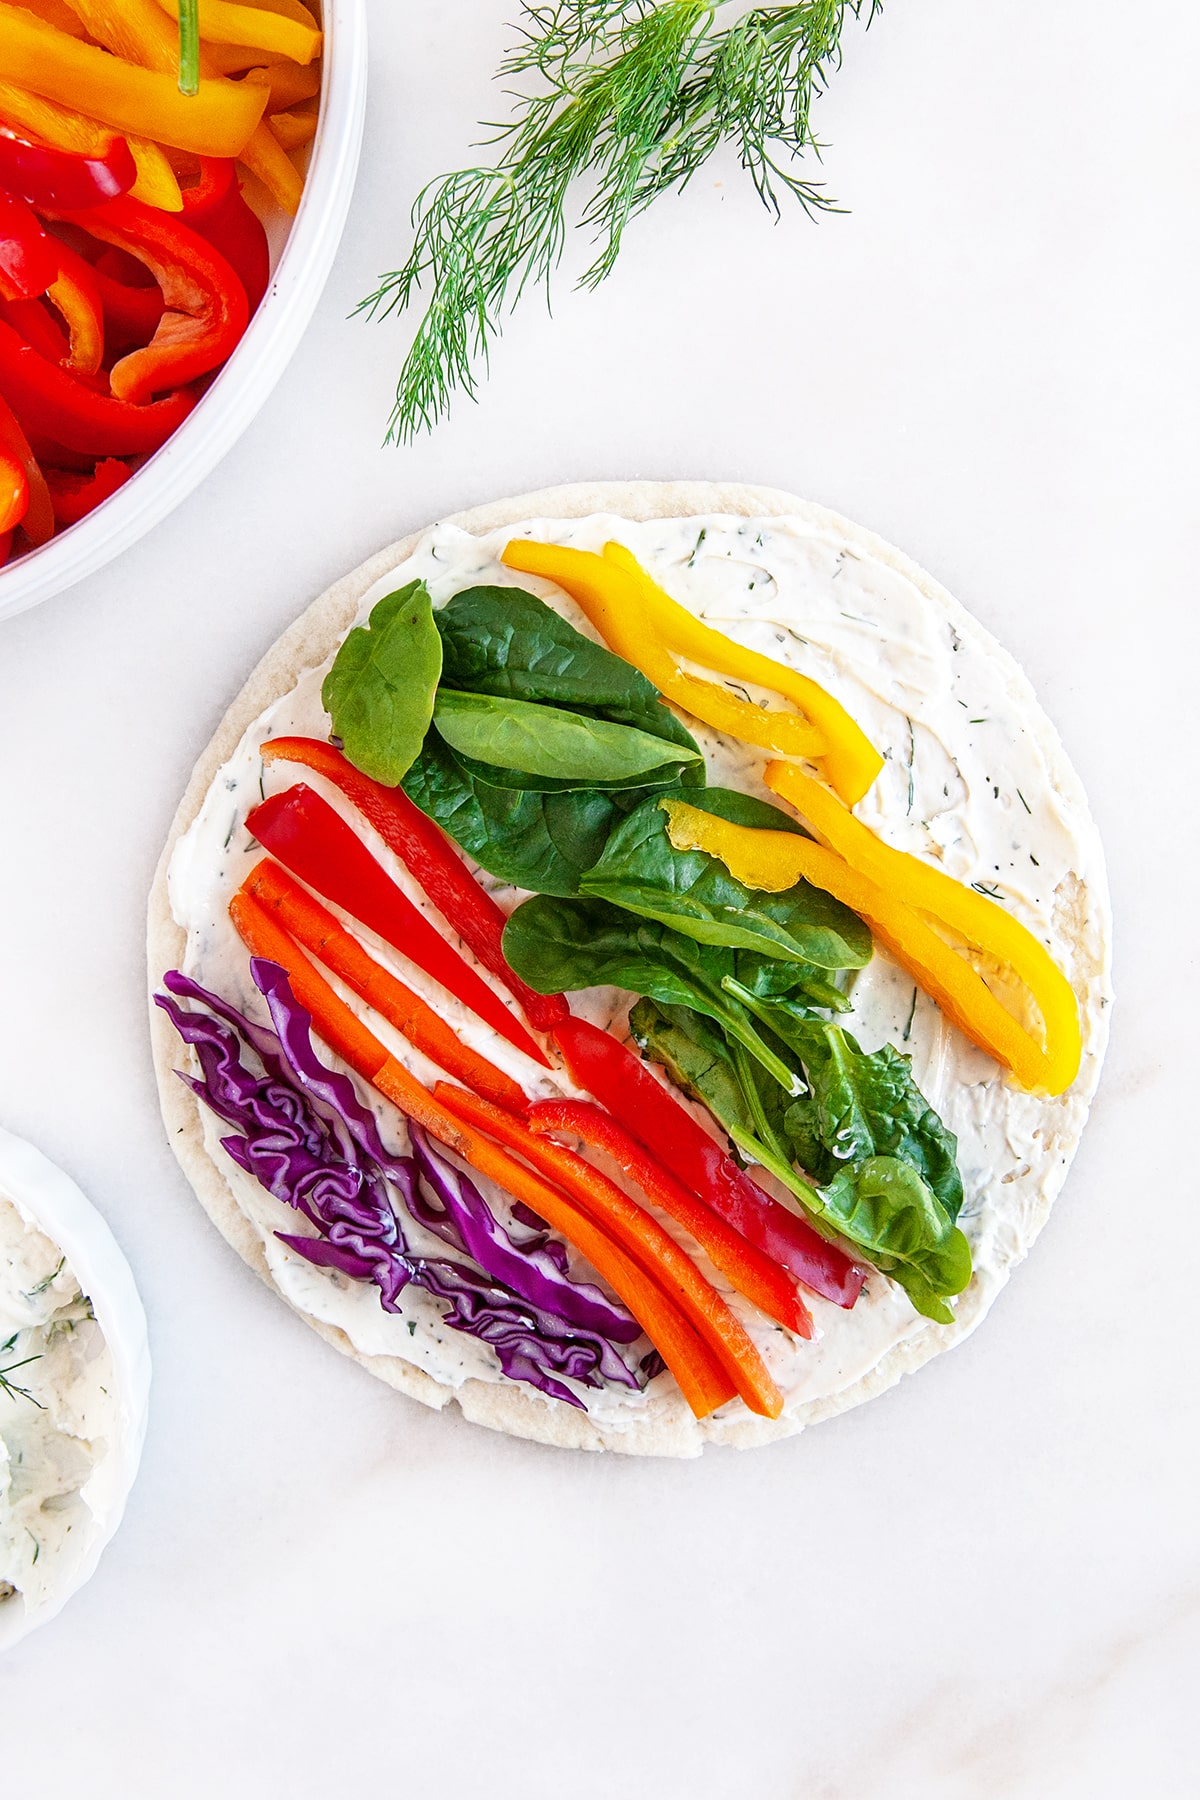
{"points": [[557, 946], [642, 871], [544, 842], [883, 1206], [504, 641], [379, 692], [549, 741]]}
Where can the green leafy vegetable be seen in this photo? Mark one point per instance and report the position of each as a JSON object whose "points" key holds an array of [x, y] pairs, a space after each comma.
{"points": [[634, 96], [693, 892], [380, 690], [560, 945], [882, 1163], [504, 641], [551, 742], [541, 841]]}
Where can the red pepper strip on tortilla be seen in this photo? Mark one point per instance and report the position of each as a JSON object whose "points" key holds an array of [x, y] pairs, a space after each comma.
{"points": [[74, 495], [215, 207], [433, 863], [762, 1281], [37, 521], [639, 1100], [14, 493], [609, 1206], [702, 1379], [28, 262], [206, 310], [316, 929], [53, 403], [307, 836], [43, 176]]}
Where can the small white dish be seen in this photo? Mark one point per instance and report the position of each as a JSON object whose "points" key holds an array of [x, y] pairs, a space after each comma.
{"points": [[252, 371], [49, 1201]]}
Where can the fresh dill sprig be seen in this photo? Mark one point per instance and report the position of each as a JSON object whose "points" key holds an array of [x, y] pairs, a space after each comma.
{"points": [[634, 95], [189, 47], [13, 1389]]}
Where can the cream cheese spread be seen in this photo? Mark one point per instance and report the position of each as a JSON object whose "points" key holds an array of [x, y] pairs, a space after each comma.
{"points": [[967, 783], [58, 1415]]}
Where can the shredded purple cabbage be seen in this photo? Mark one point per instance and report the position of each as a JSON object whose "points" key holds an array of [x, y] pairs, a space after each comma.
{"points": [[303, 1133]]}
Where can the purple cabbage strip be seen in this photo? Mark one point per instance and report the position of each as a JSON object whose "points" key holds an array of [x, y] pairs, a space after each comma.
{"points": [[305, 1136]]}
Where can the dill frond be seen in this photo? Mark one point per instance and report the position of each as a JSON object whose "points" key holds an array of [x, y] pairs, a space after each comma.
{"points": [[635, 96]]}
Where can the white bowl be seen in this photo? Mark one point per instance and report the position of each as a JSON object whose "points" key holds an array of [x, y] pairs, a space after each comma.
{"points": [[259, 360], [49, 1199]]}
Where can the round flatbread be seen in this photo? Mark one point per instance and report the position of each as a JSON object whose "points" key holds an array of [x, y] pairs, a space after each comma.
{"points": [[890, 640]]}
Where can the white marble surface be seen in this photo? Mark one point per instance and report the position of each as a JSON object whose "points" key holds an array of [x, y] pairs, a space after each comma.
{"points": [[985, 1583]]}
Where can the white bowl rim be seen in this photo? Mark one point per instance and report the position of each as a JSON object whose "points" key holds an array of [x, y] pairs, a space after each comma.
{"points": [[47, 1195], [252, 371]]}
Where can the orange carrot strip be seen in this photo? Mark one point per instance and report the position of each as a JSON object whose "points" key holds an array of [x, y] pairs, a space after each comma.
{"points": [[610, 1206], [762, 1281], [702, 1379], [315, 927]]}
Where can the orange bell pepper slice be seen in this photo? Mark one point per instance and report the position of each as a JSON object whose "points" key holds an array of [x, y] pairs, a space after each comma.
{"points": [[287, 30], [610, 1207], [775, 860], [75, 296], [703, 1380], [216, 121], [315, 928]]}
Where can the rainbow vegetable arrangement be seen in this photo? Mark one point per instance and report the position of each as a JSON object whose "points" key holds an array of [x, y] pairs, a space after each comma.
{"points": [[555, 764], [130, 261]]}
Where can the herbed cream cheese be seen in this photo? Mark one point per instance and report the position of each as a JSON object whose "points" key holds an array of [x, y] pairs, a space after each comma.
{"points": [[973, 779], [58, 1414]]}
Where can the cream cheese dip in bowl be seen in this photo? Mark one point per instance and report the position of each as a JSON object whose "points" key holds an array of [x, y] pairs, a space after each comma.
{"points": [[74, 1386]]}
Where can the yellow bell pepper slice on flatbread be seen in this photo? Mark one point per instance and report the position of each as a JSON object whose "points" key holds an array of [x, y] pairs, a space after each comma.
{"points": [[851, 761], [613, 602], [775, 860]]}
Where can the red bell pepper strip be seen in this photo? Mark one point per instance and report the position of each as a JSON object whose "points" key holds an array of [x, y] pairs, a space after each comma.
{"points": [[623, 1083], [31, 320], [131, 313], [14, 492], [307, 836], [206, 311], [57, 404], [702, 1379], [28, 263], [48, 177], [655, 1248], [316, 929], [75, 495], [6, 541], [431, 860], [215, 207], [38, 520], [762, 1281]]}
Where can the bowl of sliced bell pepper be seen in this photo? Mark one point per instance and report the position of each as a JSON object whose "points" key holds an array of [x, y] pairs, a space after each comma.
{"points": [[174, 179]]}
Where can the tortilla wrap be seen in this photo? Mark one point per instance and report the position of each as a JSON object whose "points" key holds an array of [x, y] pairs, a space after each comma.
{"points": [[1082, 914]]}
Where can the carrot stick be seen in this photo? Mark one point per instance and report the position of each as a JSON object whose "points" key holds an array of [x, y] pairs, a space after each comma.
{"points": [[611, 1207], [702, 1379], [763, 1282], [315, 927]]}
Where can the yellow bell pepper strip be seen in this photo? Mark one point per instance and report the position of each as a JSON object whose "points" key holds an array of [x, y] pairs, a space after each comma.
{"points": [[259, 27], [216, 121], [266, 157], [292, 130], [31, 115], [614, 605], [851, 760], [986, 927], [75, 296], [775, 860]]}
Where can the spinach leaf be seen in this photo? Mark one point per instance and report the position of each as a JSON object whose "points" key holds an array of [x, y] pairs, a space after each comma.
{"points": [[503, 641], [557, 946], [898, 1207], [642, 871], [533, 840], [380, 690], [549, 741]]}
